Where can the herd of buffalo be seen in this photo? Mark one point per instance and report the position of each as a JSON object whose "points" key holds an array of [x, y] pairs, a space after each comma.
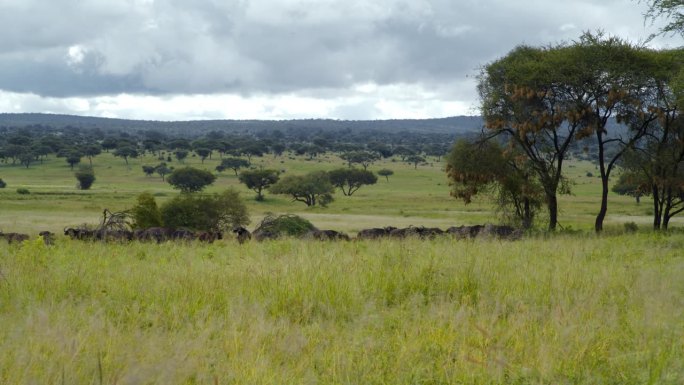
{"points": [[162, 234]]}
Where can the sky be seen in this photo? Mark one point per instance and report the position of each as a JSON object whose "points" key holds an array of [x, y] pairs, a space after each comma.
{"points": [[279, 59]]}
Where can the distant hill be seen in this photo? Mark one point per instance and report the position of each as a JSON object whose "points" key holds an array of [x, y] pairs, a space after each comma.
{"points": [[451, 125]]}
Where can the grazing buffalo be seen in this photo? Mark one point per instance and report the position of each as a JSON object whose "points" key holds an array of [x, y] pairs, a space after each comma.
{"points": [[79, 233], [209, 236], [114, 235], [463, 232], [243, 235], [183, 235], [14, 237], [326, 235], [375, 233], [48, 237], [263, 235], [158, 234]]}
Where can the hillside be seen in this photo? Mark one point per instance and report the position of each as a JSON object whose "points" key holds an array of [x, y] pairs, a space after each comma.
{"points": [[451, 125]]}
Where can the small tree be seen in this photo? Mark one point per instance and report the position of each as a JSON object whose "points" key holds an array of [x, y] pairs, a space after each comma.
{"points": [[349, 180], [259, 180], [364, 158], [91, 151], [233, 163], [3, 184], [148, 170], [313, 188], [386, 173], [73, 158], [415, 159], [146, 213], [181, 155], [126, 152], [86, 177], [203, 153], [189, 179], [162, 170]]}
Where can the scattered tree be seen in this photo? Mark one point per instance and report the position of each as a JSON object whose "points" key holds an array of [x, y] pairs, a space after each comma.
{"points": [[349, 180], [189, 179], [386, 173], [313, 188], [415, 159], [259, 180], [233, 163], [86, 177]]}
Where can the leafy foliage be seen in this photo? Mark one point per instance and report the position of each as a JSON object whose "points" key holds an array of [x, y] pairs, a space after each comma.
{"points": [[312, 188], [146, 213], [215, 212], [189, 179], [258, 180], [349, 180], [288, 225], [86, 177]]}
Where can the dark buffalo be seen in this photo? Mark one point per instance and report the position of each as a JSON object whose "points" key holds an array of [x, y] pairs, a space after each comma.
{"points": [[183, 235], [463, 232], [209, 236], [243, 235], [14, 237], [326, 235], [114, 235], [157, 234], [79, 233], [375, 233], [48, 237]]}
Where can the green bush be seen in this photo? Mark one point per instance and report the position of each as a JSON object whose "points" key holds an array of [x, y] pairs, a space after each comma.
{"points": [[631, 227], [146, 212], [85, 176], [23, 191], [285, 225], [215, 212], [2, 183]]}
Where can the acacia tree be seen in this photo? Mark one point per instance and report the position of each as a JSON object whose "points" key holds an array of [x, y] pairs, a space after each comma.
{"points": [[522, 102], [259, 180], [386, 173], [349, 180], [483, 166], [189, 179], [313, 188], [364, 158], [671, 10], [233, 163]]}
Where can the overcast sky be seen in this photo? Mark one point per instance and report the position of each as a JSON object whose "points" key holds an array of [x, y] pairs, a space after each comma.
{"points": [[277, 59]]}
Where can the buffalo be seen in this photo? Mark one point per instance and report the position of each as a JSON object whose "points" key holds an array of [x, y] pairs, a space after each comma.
{"points": [[48, 237], [158, 234], [326, 235], [375, 233], [243, 235], [209, 236], [14, 237]]}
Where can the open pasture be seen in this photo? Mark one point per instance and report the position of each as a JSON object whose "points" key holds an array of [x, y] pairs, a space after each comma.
{"points": [[561, 310], [410, 197]]}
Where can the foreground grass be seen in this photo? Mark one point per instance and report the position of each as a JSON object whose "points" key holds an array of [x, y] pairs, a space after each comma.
{"points": [[562, 310]]}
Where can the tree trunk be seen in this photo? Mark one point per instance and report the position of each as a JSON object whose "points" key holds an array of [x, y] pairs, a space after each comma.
{"points": [[657, 208], [553, 211], [598, 225]]}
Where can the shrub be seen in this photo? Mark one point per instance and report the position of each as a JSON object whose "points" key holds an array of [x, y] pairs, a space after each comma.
{"points": [[146, 212], [2, 183], [631, 227], [284, 225], [86, 177], [190, 179], [23, 191], [213, 212]]}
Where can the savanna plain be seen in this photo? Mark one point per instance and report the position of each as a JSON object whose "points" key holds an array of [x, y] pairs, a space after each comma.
{"points": [[565, 308]]}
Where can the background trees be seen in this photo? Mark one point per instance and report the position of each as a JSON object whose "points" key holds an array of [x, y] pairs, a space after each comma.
{"points": [[189, 179], [349, 180], [259, 180], [313, 188]]}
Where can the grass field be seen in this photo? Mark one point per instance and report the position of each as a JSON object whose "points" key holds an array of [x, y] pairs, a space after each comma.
{"points": [[566, 308], [562, 310], [410, 197]]}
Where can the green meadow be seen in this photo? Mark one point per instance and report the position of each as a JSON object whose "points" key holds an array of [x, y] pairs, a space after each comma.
{"points": [[410, 197], [565, 308]]}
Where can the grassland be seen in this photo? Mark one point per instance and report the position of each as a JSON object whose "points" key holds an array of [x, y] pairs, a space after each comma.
{"points": [[411, 196], [569, 308], [562, 310]]}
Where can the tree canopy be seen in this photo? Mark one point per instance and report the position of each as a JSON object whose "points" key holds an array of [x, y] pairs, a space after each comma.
{"points": [[189, 179]]}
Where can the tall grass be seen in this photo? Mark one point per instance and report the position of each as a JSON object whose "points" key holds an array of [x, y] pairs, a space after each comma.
{"points": [[543, 311]]}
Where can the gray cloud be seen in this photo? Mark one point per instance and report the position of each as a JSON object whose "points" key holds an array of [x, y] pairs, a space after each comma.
{"points": [[67, 48]]}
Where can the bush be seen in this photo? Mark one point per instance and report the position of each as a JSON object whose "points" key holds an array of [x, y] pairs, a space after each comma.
{"points": [[215, 212], [284, 225], [190, 179], [86, 177], [2, 183], [23, 191], [146, 212], [631, 227]]}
